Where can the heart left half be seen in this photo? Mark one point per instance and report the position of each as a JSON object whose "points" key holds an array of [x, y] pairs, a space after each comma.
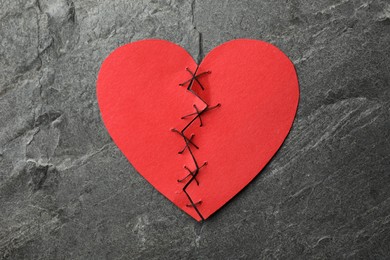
{"points": [[198, 134]]}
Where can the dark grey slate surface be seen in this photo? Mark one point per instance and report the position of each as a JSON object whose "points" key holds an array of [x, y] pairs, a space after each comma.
{"points": [[66, 192]]}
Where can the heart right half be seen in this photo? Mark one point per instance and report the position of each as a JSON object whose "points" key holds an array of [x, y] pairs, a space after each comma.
{"points": [[198, 134]]}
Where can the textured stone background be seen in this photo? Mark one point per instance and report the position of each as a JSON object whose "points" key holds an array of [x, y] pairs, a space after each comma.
{"points": [[66, 192]]}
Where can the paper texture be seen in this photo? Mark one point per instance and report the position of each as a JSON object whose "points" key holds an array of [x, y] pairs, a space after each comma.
{"points": [[141, 101]]}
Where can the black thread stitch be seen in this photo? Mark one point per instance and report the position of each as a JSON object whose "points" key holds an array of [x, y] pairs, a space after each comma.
{"points": [[192, 173], [198, 112], [188, 141]]}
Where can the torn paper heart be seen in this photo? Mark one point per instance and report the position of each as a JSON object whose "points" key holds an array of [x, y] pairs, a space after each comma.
{"points": [[198, 134]]}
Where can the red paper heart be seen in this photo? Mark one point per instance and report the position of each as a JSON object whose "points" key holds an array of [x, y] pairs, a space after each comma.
{"points": [[141, 101]]}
